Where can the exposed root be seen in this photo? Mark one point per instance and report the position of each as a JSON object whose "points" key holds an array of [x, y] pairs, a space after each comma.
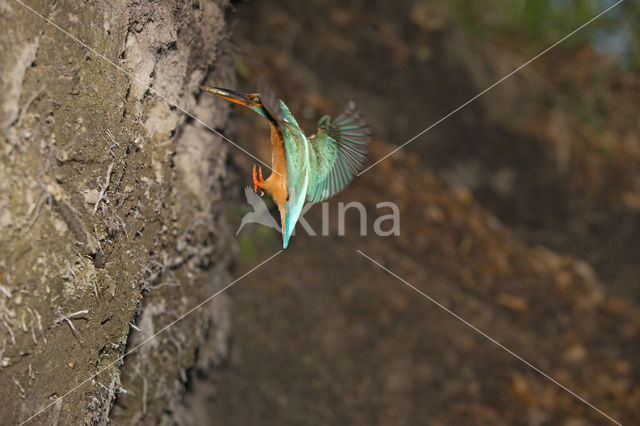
{"points": [[5, 291], [68, 318], [57, 410], [36, 211], [18, 385], [6, 317], [27, 104], [74, 222], [104, 187]]}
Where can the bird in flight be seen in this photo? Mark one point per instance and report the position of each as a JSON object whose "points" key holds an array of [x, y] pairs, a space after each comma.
{"points": [[313, 168]]}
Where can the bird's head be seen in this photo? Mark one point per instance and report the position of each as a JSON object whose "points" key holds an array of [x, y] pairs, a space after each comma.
{"points": [[250, 100]]}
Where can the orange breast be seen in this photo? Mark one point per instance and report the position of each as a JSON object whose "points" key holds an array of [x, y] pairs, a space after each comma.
{"points": [[276, 184]]}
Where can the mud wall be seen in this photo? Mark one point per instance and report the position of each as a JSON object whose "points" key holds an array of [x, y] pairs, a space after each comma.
{"points": [[110, 207]]}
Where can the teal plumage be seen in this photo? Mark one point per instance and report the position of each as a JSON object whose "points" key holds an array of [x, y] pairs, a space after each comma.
{"points": [[339, 149], [317, 167], [299, 170]]}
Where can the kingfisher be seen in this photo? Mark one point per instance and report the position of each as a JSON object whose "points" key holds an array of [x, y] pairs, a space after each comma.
{"points": [[313, 168]]}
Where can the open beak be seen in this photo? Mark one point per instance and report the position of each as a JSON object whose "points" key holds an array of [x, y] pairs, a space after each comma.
{"points": [[231, 95]]}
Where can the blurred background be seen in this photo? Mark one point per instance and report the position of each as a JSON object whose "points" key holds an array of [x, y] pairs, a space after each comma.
{"points": [[519, 213]]}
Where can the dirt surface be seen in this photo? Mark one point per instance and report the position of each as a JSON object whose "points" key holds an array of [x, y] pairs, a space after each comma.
{"points": [[518, 214], [101, 204]]}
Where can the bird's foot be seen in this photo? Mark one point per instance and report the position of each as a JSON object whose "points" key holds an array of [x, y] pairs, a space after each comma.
{"points": [[258, 183]]}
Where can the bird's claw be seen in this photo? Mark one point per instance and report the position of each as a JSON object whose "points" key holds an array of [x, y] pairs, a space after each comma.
{"points": [[258, 183]]}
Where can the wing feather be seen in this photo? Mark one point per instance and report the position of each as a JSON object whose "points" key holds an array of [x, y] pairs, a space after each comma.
{"points": [[348, 135]]}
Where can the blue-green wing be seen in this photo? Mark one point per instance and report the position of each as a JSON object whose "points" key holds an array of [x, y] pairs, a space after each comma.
{"points": [[340, 148], [298, 154]]}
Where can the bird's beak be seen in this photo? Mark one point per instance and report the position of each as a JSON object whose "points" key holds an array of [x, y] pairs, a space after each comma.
{"points": [[246, 99]]}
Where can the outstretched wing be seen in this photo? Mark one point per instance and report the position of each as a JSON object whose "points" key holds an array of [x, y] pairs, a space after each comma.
{"points": [[341, 146]]}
